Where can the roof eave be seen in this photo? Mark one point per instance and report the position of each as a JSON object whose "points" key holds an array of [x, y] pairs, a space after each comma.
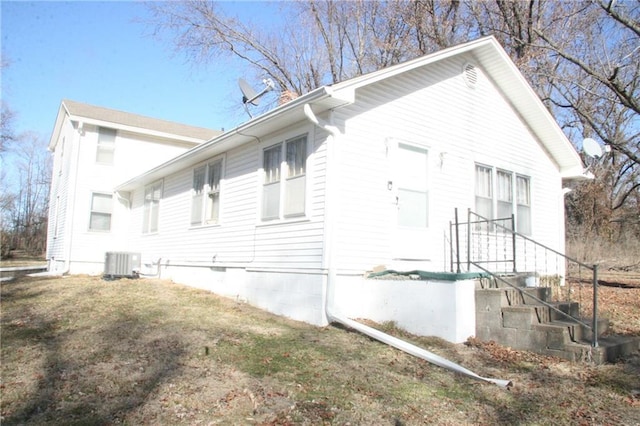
{"points": [[133, 129], [53, 141], [323, 98], [577, 173], [530, 107]]}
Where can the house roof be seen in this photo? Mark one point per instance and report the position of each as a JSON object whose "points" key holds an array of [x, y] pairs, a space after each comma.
{"points": [[497, 64], [488, 53], [91, 114]]}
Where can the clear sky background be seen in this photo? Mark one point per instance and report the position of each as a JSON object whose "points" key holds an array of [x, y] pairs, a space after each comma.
{"points": [[100, 53]]}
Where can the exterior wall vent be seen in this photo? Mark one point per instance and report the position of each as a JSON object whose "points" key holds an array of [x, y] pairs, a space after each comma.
{"points": [[470, 74], [121, 265]]}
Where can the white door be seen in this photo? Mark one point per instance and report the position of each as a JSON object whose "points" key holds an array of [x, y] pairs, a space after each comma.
{"points": [[411, 190]]}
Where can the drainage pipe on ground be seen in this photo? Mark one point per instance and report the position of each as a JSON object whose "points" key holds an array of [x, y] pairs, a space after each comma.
{"points": [[369, 331], [413, 349]]}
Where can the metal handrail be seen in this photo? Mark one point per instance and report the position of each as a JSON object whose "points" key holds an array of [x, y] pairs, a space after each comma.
{"points": [[517, 234], [514, 235], [522, 292]]}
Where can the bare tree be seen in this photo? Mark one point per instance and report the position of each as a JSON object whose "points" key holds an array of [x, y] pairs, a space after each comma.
{"points": [[205, 33], [437, 24], [597, 89], [321, 42], [6, 117], [581, 57], [25, 211], [6, 127]]}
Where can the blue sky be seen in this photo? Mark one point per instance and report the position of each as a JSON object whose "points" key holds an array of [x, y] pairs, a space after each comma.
{"points": [[99, 53]]}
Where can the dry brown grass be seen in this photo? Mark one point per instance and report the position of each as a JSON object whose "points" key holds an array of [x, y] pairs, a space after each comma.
{"points": [[79, 350], [622, 255]]}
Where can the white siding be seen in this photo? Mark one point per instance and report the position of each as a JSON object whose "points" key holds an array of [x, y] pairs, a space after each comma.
{"points": [[285, 265], [77, 175], [240, 239], [459, 126], [61, 192]]}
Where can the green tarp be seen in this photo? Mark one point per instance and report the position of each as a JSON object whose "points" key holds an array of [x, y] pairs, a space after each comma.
{"points": [[426, 275]]}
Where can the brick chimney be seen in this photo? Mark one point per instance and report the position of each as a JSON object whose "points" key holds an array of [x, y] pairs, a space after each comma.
{"points": [[286, 96]]}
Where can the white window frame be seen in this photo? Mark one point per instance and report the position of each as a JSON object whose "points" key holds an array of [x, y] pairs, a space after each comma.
{"points": [[106, 145], [284, 185], [206, 201], [501, 193], [151, 207], [93, 210]]}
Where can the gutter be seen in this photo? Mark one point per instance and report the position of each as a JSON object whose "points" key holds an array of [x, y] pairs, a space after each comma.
{"points": [[231, 137], [332, 315]]}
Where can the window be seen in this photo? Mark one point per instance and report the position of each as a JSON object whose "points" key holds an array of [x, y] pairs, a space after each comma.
{"points": [[523, 211], [101, 208], [152, 195], [504, 195], [512, 196], [296, 177], [106, 145], [293, 186], [484, 191], [271, 189], [205, 198]]}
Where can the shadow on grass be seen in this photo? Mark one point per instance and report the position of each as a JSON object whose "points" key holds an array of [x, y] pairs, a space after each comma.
{"points": [[123, 366], [108, 358], [13, 292]]}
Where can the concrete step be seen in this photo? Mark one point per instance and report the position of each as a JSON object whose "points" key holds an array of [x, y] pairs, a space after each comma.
{"points": [[514, 318], [570, 331], [609, 349], [526, 315], [522, 279], [490, 303], [570, 308], [498, 297]]}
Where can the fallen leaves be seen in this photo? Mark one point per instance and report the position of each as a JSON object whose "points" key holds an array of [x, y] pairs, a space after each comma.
{"points": [[152, 352]]}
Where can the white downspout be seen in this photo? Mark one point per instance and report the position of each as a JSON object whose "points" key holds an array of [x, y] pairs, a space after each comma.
{"points": [[72, 201], [333, 316]]}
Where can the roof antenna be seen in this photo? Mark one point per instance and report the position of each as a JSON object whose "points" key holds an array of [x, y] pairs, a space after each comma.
{"points": [[249, 96]]}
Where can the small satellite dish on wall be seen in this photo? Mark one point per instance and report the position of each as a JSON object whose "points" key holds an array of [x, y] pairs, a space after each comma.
{"points": [[591, 148], [249, 96]]}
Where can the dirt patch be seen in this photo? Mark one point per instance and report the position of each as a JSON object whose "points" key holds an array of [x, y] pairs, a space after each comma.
{"points": [[79, 350]]}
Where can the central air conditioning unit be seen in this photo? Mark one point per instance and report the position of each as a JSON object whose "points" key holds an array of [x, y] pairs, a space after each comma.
{"points": [[118, 264]]}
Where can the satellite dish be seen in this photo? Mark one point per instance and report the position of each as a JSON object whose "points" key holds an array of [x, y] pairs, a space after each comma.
{"points": [[591, 148], [249, 96]]}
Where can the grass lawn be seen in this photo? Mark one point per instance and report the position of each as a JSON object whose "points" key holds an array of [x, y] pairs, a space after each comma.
{"points": [[80, 350]]}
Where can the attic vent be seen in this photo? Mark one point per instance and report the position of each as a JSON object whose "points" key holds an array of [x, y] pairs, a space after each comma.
{"points": [[470, 75]]}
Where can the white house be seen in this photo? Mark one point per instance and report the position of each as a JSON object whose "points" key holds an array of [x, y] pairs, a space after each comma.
{"points": [[95, 148], [289, 210]]}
